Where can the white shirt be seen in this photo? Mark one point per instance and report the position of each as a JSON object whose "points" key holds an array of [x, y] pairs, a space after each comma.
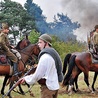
{"points": [[46, 69]]}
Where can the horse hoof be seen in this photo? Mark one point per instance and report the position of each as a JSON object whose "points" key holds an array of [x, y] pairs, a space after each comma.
{"points": [[23, 93], [3, 96], [32, 95], [93, 92], [2, 93], [77, 90], [70, 93], [10, 97]]}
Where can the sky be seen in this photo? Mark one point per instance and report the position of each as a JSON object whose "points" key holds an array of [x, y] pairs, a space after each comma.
{"points": [[83, 11]]}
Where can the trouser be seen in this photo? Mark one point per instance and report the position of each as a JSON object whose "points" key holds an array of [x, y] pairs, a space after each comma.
{"points": [[14, 59], [46, 93], [11, 56], [96, 48], [8, 53]]}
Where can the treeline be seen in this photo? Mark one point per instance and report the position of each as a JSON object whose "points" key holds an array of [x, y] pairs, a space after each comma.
{"points": [[62, 47]]}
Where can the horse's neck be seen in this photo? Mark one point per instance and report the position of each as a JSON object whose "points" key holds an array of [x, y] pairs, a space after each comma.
{"points": [[26, 53], [21, 65], [24, 57]]}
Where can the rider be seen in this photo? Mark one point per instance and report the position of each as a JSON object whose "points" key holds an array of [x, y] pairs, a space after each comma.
{"points": [[95, 39], [5, 45]]}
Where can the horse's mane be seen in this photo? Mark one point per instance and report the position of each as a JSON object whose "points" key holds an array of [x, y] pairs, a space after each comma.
{"points": [[18, 45]]}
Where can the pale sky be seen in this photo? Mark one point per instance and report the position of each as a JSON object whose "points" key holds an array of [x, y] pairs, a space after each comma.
{"points": [[83, 11], [49, 8]]}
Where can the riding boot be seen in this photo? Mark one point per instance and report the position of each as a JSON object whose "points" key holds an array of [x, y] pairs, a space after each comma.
{"points": [[15, 68]]}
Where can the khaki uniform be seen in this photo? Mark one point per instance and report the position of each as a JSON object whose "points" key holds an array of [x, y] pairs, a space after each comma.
{"points": [[95, 38], [4, 43]]}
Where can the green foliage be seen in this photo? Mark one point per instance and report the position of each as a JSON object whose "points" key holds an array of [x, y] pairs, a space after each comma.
{"points": [[33, 36], [64, 48], [17, 17]]}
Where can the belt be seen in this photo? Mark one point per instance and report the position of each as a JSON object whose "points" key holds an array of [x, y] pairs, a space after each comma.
{"points": [[42, 81]]}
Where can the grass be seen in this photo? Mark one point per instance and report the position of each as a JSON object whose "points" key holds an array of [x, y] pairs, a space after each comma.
{"points": [[84, 93]]}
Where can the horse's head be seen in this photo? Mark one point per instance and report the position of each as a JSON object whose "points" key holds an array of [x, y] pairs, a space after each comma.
{"points": [[31, 51], [23, 43], [35, 49]]}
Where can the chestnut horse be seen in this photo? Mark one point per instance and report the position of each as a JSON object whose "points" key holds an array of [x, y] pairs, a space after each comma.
{"points": [[27, 52], [23, 43], [73, 68], [67, 61]]}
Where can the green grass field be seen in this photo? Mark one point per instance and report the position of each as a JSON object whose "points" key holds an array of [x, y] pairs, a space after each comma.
{"points": [[84, 92]]}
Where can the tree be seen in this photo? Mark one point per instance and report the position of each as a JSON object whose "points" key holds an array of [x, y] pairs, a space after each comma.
{"points": [[35, 12], [33, 36], [17, 17], [63, 27]]}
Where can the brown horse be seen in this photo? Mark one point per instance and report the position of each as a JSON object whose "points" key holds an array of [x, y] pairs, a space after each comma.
{"points": [[27, 52], [67, 61], [23, 43], [81, 62]]}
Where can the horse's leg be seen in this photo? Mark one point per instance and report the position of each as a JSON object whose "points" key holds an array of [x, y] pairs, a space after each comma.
{"points": [[94, 80], [20, 89], [76, 84], [31, 94], [86, 80], [74, 77], [11, 84], [69, 72], [4, 83]]}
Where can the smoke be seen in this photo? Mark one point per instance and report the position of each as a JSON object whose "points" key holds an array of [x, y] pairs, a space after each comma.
{"points": [[83, 11]]}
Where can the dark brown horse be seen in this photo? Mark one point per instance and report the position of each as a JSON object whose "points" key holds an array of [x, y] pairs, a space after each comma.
{"points": [[67, 61], [84, 61], [23, 43], [30, 50]]}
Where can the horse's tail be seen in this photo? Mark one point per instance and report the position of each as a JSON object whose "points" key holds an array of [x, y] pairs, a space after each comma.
{"points": [[66, 61], [70, 68]]}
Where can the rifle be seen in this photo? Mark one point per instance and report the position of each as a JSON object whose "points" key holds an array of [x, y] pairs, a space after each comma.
{"points": [[31, 70]]}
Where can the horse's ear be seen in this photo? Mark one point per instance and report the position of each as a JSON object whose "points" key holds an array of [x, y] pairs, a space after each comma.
{"points": [[26, 36]]}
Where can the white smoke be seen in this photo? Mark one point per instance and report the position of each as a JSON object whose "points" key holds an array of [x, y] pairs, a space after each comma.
{"points": [[83, 11]]}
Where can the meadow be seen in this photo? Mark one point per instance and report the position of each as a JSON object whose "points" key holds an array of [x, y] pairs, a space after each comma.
{"points": [[63, 49], [83, 93]]}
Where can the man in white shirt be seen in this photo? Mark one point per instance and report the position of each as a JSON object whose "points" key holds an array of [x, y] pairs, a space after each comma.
{"points": [[46, 73]]}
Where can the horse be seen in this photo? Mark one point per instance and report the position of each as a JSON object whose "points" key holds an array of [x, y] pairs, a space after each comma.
{"points": [[65, 64], [27, 52], [67, 61], [23, 43], [81, 62]]}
